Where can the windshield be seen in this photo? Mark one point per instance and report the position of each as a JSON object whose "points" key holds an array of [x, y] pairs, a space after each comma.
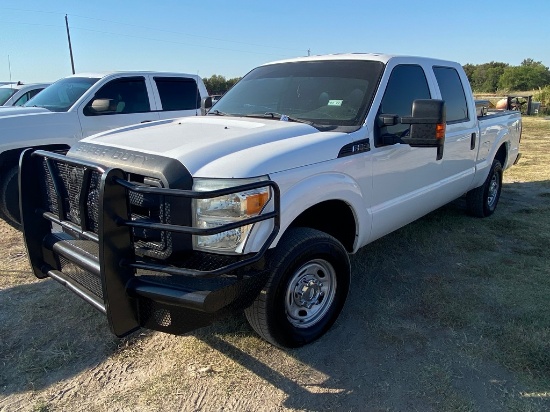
{"points": [[60, 96], [5, 94], [324, 93]]}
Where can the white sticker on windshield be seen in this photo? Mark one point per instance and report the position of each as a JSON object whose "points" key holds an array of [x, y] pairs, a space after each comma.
{"points": [[335, 102]]}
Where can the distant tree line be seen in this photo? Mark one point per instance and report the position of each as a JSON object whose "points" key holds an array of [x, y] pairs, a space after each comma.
{"points": [[497, 76], [217, 84]]}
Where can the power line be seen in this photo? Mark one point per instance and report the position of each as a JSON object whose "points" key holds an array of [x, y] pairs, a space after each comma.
{"points": [[31, 11], [141, 37], [185, 34], [169, 41], [73, 28], [149, 28], [31, 24]]}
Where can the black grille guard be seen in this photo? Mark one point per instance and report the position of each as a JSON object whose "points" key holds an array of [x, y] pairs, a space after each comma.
{"points": [[128, 298], [111, 178]]}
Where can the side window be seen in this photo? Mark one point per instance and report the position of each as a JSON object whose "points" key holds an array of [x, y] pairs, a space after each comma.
{"points": [[22, 100], [178, 93], [34, 92], [26, 97], [120, 96], [406, 84], [453, 94]]}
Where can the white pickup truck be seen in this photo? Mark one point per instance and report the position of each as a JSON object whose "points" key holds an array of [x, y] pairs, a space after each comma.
{"points": [[257, 206], [85, 104]]}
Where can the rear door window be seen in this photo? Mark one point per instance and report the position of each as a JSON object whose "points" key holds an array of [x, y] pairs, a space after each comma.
{"points": [[452, 92], [178, 93]]}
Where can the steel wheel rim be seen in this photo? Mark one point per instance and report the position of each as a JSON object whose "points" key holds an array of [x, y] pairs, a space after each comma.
{"points": [[493, 190], [310, 293]]}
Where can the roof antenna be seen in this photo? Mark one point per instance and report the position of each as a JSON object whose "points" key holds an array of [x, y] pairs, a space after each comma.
{"points": [[9, 67]]}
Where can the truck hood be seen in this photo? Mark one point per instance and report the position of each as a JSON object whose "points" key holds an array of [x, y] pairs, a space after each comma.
{"points": [[227, 146], [19, 110]]}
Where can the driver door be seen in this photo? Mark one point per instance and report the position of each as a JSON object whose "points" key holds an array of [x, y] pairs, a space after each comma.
{"points": [[120, 102], [402, 175]]}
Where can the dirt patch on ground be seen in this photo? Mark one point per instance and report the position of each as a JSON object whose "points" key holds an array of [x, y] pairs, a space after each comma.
{"points": [[396, 346]]}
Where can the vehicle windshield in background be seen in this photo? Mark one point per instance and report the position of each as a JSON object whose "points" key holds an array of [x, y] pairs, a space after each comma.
{"points": [[5, 94], [325, 93], [60, 96]]}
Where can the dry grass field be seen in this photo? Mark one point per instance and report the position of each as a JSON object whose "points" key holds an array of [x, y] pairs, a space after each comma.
{"points": [[449, 313]]}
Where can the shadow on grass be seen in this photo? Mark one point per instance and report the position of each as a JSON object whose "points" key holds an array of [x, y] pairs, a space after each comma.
{"points": [[44, 333]]}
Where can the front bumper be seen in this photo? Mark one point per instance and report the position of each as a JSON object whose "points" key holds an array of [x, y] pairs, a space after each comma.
{"points": [[81, 232]]}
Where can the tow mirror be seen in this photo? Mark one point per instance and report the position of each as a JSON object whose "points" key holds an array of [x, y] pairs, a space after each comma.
{"points": [[427, 125], [206, 104]]}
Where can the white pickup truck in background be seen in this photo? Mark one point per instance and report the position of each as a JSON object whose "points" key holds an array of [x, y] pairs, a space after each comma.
{"points": [[257, 206], [85, 104]]}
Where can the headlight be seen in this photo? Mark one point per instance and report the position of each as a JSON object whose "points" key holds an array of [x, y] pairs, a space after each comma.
{"points": [[218, 211]]}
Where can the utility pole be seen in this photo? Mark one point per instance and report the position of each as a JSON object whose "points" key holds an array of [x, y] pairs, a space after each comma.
{"points": [[69, 38]]}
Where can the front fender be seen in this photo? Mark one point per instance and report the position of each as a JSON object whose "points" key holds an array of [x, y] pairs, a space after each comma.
{"points": [[299, 196], [39, 129]]}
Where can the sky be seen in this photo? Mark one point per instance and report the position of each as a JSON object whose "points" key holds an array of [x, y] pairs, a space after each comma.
{"points": [[230, 38]]}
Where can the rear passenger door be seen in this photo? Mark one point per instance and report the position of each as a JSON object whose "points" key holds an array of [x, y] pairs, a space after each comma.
{"points": [[120, 102], [176, 96], [461, 130]]}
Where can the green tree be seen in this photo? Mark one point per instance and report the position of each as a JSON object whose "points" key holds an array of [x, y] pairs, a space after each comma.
{"points": [[231, 82], [485, 77], [528, 76], [469, 69], [217, 84]]}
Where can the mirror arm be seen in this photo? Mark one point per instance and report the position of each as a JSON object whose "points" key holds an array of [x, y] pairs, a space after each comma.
{"points": [[419, 120]]}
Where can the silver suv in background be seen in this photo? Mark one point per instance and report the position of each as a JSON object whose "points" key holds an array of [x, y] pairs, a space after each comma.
{"points": [[18, 94]]}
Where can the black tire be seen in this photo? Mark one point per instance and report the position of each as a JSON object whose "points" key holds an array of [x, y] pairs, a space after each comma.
{"points": [[307, 288], [9, 197], [483, 200]]}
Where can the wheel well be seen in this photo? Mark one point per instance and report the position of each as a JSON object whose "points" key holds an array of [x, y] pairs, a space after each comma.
{"points": [[334, 217], [501, 155]]}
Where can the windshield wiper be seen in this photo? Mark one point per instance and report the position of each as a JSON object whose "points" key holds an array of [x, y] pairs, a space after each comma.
{"points": [[282, 117], [218, 113]]}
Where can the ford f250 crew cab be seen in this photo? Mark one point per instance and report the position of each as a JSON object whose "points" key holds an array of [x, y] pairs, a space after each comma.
{"points": [[258, 205], [85, 104]]}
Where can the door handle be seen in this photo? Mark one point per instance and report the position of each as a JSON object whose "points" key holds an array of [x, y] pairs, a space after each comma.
{"points": [[473, 142], [146, 121]]}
